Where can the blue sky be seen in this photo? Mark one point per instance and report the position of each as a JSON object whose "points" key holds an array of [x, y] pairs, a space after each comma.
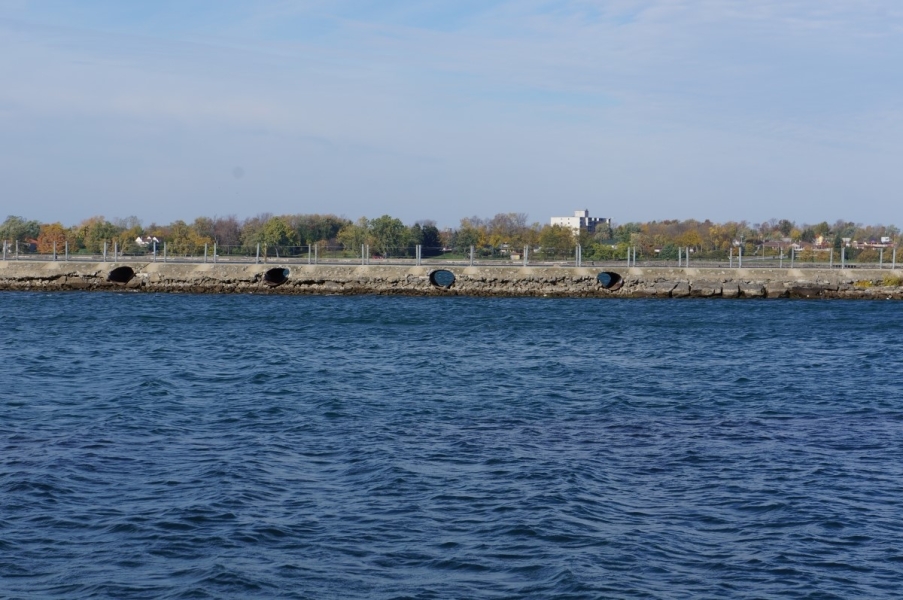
{"points": [[635, 109]]}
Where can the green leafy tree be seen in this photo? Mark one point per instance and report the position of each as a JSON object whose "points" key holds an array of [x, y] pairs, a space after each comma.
{"points": [[185, 240], [277, 232], [785, 227], [470, 233], [92, 233], [388, 234], [431, 240], [624, 232], [16, 228], [584, 239], [556, 241], [668, 252], [354, 235], [599, 251], [204, 227], [414, 237], [604, 232], [317, 228], [252, 231], [808, 235]]}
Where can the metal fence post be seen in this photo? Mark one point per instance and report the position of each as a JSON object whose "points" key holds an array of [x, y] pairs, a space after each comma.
{"points": [[164, 251], [54, 249], [4, 249], [214, 252], [843, 257], [628, 257], [679, 251], [257, 258], [418, 255], [730, 257], [67, 250], [105, 252], [115, 250], [831, 264], [362, 254], [17, 249], [894, 266], [740, 257], [205, 252], [781, 259], [308, 253], [688, 257], [526, 249], [155, 251], [881, 258], [792, 255], [316, 254], [471, 256]]}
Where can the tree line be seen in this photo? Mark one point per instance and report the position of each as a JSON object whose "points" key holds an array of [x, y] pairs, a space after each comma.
{"points": [[387, 235]]}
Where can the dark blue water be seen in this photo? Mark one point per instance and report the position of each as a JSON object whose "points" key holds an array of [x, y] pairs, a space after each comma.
{"points": [[167, 446]]}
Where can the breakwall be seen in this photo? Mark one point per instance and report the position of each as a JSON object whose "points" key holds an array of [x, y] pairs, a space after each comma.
{"points": [[535, 281]]}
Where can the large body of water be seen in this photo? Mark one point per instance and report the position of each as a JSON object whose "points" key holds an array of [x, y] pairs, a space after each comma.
{"points": [[167, 446]]}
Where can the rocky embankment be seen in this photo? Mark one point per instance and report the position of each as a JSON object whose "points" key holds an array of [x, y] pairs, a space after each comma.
{"points": [[537, 281]]}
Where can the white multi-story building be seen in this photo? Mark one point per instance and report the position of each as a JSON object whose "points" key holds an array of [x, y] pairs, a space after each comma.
{"points": [[581, 220]]}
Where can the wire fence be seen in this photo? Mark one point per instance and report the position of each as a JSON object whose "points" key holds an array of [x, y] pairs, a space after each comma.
{"points": [[324, 253]]}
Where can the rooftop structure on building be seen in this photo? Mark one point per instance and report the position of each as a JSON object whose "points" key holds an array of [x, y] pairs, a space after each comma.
{"points": [[581, 221]]}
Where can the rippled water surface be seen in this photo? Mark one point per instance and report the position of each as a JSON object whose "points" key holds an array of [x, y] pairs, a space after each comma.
{"points": [[167, 446]]}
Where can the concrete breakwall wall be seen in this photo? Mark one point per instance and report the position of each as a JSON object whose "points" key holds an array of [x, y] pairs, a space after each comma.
{"points": [[453, 280]]}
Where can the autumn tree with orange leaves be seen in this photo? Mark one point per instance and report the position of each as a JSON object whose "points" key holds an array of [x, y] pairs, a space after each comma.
{"points": [[52, 233]]}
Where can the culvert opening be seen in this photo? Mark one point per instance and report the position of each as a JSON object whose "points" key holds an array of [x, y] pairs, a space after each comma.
{"points": [[121, 275], [442, 278], [609, 280], [276, 276]]}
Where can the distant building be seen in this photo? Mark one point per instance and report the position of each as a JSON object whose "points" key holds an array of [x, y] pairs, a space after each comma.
{"points": [[146, 241], [581, 220]]}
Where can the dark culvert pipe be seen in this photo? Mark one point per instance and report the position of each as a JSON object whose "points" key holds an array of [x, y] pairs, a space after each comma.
{"points": [[121, 275], [610, 281], [442, 278], [276, 277]]}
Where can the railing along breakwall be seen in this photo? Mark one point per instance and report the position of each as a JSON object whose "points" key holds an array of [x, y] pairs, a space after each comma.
{"points": [[325, 254], [535, 281]]}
